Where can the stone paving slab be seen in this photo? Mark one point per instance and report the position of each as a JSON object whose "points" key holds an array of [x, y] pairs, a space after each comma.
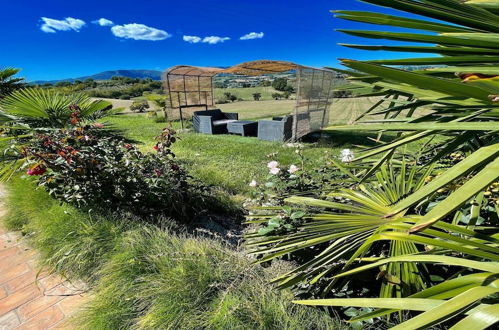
{"points": [[30, 298]]}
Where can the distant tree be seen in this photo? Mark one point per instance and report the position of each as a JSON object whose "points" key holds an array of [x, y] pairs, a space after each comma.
{"points": [[114, 94], [233, 98], [286, 94], [280, 84], [228, 95], [8, 83], [277, 96], [265, 83], [63, 84], [257, 96], [90, 83]]}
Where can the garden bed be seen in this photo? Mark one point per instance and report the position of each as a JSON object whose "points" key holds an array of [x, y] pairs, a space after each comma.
{"points": [[151, 276]]}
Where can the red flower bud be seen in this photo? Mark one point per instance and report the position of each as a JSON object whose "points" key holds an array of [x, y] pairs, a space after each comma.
{"points": [[36, 170]]}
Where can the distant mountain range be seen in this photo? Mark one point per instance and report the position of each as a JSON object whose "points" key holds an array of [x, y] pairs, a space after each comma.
{"points": [[141, 74]]}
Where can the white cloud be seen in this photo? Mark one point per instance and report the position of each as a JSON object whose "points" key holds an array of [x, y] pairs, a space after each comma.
{"points": [[103, 22], [51, 25], [252, 35], [214, 39], [139, 32], [192, 39]]}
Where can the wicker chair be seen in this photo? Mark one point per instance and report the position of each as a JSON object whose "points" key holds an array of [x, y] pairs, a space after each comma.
{"points": [[279, 129], [212, 121]]}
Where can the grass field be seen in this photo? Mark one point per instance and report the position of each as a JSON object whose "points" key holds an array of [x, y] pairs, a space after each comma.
{"points": [[246, 93], [343, 111]]}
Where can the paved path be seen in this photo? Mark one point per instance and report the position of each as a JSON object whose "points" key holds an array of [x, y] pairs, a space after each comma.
{"points": [[30, 298]]}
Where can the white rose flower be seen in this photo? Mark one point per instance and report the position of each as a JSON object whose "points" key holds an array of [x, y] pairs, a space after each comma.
{"points": [[347, 155], [293, 168], [253, 183], [275, 170], [272, 164]]}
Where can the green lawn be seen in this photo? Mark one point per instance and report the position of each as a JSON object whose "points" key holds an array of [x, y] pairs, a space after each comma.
{"points": [[230, 161]]}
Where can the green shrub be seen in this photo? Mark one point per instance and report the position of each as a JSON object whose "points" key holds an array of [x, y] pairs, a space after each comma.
{"points": [[85, 167], [139, 106], [277, 96]]}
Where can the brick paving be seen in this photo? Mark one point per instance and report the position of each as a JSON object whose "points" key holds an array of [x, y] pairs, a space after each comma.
{"points": [[30, 298]]}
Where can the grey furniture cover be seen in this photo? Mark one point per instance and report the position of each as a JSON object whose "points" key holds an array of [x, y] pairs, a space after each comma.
{"points": [[279, 129], [212, 121], [243, 127]]}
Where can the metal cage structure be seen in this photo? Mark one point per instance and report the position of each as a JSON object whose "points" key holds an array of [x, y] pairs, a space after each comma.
{"points": [[192, 87]]}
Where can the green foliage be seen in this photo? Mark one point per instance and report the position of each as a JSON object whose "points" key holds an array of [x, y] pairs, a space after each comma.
{"points": [[265, 83], [299, 178], [116, 87], [277, 96], [206, 286], [281, 84], [47, 108], [139, 106], [402, 222], [257, 96], [87, 168], [230, 97], [148, 278], [8, 83]]}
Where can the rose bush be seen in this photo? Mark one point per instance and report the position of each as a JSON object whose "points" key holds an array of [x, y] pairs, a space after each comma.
{"points": [[284, 181], [88, 167]]}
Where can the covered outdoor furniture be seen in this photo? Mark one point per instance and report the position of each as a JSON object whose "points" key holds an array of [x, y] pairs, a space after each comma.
{"points": [[279, 129], [191, 86], [213, 121], [243, 127]]}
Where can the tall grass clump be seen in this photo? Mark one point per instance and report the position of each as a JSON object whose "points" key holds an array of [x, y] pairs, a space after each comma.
{"points": [[189, 283], [71, 242]]}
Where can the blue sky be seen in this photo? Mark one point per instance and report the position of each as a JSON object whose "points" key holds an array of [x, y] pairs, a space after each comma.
{"points": [[54, 39]]}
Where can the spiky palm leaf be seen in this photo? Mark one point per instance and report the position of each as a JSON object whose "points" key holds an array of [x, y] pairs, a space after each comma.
{"points": [[461, 92], [8, 83], [48, 108]]}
